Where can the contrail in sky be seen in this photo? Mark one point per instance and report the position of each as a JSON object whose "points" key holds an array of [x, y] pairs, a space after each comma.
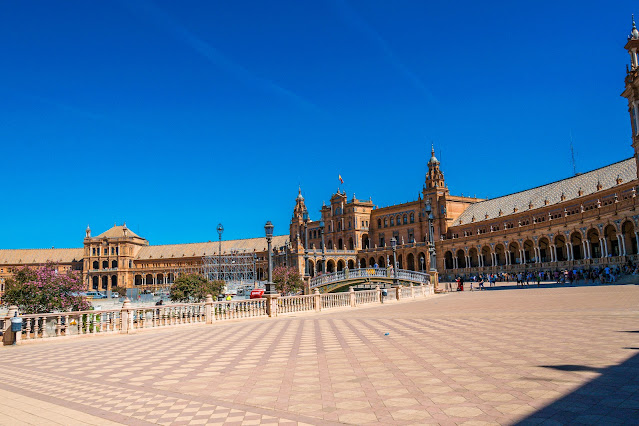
{"points": [[353, 18], [215, 56]]}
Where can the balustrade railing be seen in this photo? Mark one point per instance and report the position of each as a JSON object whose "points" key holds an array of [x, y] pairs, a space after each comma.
{"points": [[290, 304], [131, 319], [349, 274], [335, 300]]}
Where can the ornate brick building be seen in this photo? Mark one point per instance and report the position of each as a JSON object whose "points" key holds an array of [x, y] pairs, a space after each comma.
{"points": [[584, 220]]}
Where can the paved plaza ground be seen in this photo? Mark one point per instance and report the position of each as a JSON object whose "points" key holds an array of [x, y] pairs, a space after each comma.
{"points": [[506, 355]]}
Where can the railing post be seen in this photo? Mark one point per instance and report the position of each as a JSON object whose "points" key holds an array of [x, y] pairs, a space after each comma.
{"points": [[124, 316], [398, 292], [208, 309], [351, 293], [346, 273], [271, 304], [412, 291], [388, 272], [7, 334], [379, 293], [318, 300]]}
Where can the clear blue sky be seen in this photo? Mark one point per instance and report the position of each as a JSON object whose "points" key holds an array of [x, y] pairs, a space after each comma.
{"points": [[174, 116]]}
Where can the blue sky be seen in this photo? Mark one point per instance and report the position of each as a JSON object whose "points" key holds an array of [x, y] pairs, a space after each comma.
{"points": [[174, 116]]}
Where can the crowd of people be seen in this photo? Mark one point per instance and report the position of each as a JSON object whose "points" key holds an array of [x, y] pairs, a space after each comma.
{"points": [[596, 274]]}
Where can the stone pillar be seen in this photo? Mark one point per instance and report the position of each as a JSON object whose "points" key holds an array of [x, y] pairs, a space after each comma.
{"points": [[307, 284], [605, 244], [271, 304], [379, 293], [7, 335], [637, 239], [398, 292], [208, 309], [622, 244], [351, 293], [412, 291], [124, 316], [317, 297]]}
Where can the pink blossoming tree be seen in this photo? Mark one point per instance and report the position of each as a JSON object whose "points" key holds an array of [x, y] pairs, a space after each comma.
{"points": [[287, 280], [40, 290]]}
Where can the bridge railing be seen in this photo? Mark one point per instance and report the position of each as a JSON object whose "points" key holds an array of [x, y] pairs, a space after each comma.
{"points": [[347, 274], [133, 319]]}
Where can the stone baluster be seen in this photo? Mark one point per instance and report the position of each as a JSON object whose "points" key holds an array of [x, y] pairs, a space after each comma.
{"points": [[351, 293], [318, 300], [208, 309]]}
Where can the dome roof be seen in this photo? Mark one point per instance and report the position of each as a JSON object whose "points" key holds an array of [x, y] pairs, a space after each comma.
{"points": [[433, 159], [299, 194], [634, 34]]}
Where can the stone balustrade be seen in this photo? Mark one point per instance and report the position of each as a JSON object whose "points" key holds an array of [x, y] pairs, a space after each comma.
{"points": [[370, 273], [130, 319]]}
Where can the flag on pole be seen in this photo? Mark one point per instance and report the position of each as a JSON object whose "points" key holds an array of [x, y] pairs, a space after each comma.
{"points": [[341, 181]]}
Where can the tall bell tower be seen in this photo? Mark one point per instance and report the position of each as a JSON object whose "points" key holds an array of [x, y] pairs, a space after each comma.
{"points": [[631, 91]]}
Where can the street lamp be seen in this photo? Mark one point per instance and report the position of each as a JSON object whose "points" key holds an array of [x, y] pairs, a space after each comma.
{"points": [[254, 270], [305, 218], [220, 229], [431, 231], [268, 230], [394, 246], [323, 246]]}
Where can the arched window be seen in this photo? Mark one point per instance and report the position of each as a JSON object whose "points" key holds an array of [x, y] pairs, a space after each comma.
{"points": [[385, 222], [379, 223], [405, 219], [114, 264], [105, 264], [339, 226], [412, 218], [392, 221], [96, 265], [399, 220]]}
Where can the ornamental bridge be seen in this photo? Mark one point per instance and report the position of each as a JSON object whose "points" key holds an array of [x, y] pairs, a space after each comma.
{"points": [[337, 281]]}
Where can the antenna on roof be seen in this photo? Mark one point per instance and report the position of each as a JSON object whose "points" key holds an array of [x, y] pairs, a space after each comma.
{"points": [[572, 153]]}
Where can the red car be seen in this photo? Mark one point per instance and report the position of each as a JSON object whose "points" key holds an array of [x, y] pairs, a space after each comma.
{"points": [[257, 293]]}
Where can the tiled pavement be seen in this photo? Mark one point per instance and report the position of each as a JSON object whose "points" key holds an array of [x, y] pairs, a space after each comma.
{"points": [[560, 355]]}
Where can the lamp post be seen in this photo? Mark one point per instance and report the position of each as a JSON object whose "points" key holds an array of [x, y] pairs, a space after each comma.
{"points": [[305, 218], [431, 231], [394, 246], [220, 229], [254, 270], [268, 230], [323, 269]]}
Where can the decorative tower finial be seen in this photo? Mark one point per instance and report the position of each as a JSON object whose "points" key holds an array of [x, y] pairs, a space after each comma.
{"points": [[634, 34], [88, 231]]}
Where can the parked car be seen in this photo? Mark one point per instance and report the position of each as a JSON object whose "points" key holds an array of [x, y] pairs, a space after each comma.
{"points": [[95, 295], [115, 295]]}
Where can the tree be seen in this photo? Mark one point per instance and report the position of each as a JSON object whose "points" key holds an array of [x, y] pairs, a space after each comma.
{"points": [[41, 290], [194, 287], [287, 280], [120, 290]]}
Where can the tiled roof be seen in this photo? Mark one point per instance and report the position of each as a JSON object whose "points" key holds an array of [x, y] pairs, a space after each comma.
{"points": [[587, 182], [118, 232], [203, 249], [39, 256]]}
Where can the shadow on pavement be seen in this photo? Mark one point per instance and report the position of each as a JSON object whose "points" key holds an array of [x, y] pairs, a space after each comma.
{"points": [[611, 398], [511, 286]]}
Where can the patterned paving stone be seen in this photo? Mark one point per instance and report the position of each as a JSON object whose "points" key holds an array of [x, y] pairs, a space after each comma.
{"points": [[502, 356]]}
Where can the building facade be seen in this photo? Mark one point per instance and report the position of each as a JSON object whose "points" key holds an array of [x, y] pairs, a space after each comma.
{"points": [[582, 221]]}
